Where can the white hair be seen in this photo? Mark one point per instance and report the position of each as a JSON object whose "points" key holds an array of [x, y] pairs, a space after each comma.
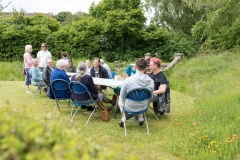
{"points": [[61, 62], [34, 60], [87, 61], [28, 47], [101, 61]]}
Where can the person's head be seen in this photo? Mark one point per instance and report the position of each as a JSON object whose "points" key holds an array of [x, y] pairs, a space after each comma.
{"points": [[155, 64], [88, 64], [70, 63], [49, 63], [141, 64], [34, 62], [64, 55], [82, 69], [101, 62], [28, 48], [44, 46], [96, 62], [62, 64]]}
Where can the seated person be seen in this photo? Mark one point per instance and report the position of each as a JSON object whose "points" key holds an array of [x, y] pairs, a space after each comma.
{"points": [[47, 71], [87, 80], [98, 71], [59, 73], [71, 68], [130, 70], [64, 55], [88, 64], [36, 74], [107, 68], [160, 85], [137, 80]]}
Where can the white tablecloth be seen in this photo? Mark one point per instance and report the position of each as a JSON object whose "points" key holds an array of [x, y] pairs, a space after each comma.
{"points": [[102, 81], [107, 82]]}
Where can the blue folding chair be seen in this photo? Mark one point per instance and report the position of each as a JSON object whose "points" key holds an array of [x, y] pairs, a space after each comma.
{"points": [[137, 94], [60, 90], [79, 88]]}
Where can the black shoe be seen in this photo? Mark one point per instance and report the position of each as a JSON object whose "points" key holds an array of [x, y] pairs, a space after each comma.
{"points": [[129, 116], [120, 123], [84, 107], [45, 89], [90, 108]]}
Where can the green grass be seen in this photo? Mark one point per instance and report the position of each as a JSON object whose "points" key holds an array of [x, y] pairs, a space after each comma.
{"points": [[203, 123], [109, 135], [212, 130]]}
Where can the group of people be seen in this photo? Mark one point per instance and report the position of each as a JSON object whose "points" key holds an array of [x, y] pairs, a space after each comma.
{"points": [[38, 70], [156, 81]]}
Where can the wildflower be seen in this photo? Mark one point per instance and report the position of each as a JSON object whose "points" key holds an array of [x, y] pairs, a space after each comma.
{"points": [[229, 141], [194, 123], [213, 152]]}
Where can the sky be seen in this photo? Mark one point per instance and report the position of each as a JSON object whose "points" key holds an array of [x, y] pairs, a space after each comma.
{"points": [[49, 6]]}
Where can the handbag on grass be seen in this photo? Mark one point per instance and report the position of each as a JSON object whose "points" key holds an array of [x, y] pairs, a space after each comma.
{"points": [[105, 115], [23, 71]]}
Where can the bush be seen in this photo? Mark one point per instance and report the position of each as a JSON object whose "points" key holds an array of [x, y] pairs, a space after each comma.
{"points": [[34, 139]]}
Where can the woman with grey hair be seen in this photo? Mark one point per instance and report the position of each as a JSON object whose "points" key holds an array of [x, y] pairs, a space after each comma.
{"points": [[37, 78], [27, 58], [87, 80]]}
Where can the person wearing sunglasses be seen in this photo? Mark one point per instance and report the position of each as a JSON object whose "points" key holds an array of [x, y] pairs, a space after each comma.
{"points": [[47, 71], [43, 55]]}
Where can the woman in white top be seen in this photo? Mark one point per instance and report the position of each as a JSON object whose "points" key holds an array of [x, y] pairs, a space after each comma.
{"points": [[43, 56]]}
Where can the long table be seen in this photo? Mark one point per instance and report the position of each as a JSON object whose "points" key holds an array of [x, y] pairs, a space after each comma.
{"points": [[107, 82], [102, 81]]}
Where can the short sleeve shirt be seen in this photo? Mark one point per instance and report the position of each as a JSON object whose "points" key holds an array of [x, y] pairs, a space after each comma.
{"points": [[43, 56], [158, 79]]}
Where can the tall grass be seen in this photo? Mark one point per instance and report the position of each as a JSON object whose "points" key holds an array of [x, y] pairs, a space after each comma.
{"points": [[212, 131]]}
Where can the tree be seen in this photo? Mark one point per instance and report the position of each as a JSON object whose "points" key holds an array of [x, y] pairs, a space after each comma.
{"points": [[220, 29], [122, 22], [174, 14]]}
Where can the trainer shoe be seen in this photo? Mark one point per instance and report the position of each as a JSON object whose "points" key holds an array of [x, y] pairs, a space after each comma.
{"points": [[140, 121]]}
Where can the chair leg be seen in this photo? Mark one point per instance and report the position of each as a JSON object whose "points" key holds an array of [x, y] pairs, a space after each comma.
{"points": [[47, 101], [90, 115], [154, 114], [74, 114], [146, 123], [124, 122]]}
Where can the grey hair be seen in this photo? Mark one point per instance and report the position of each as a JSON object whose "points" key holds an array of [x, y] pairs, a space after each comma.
{"points": [[28, 47], [34, 60], [87, 61], [101, 61], [82, 68], [61, 62]]}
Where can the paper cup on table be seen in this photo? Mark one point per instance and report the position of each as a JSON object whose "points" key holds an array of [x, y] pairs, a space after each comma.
{"points": [[116, 78]]}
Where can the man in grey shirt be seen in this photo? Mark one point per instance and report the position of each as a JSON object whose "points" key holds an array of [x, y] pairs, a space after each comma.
{"points": [[137, 80]]}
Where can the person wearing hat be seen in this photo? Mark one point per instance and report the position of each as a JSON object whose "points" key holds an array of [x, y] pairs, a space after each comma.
{"points": [[160, 85]]}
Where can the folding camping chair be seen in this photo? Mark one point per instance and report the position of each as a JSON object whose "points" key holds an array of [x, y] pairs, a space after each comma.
{"points": [[163, 104]]}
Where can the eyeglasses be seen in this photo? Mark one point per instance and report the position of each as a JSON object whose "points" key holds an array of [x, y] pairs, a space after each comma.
{"points": [[42, 46], [50, 62]]}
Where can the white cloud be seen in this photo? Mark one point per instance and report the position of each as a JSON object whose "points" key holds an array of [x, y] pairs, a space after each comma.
{"points": [[49, 6]]}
